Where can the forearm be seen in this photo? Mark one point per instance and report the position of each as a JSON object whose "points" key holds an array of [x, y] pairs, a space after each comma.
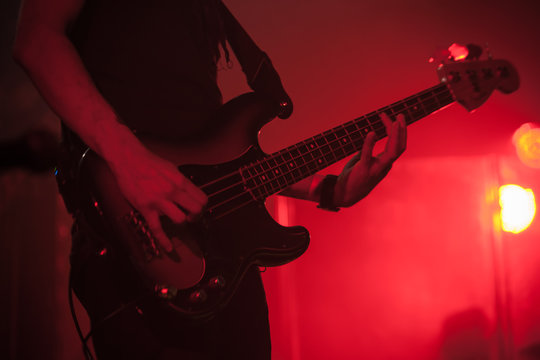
{"points": [[307, 189], [57, 71]]}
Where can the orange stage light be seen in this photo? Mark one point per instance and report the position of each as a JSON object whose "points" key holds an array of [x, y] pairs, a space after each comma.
{"points": [[518, 208], [527, 142]]}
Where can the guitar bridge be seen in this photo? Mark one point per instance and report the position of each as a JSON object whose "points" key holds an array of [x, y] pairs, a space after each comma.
{"points": [[150, 248]]}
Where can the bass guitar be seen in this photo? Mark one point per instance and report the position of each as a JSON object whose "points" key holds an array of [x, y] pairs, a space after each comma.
{"points": [[211, 255]]}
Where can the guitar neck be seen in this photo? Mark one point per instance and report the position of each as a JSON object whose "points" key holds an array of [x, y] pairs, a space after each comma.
{"points": [[283, 168]]}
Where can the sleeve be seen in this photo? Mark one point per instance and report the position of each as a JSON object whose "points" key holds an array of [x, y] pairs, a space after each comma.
{"points": [[261, 75]]}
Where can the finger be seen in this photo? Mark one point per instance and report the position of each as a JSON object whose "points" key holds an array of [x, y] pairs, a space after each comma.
{"points": [[367, 148], [397, 140], [187, 186], [387, 122], [187, 203], [364, 155], [403, 132], [401, 119], [393, 138], [172, 211], [401, 141], [379, 171], [352, 161], [152, 219]]}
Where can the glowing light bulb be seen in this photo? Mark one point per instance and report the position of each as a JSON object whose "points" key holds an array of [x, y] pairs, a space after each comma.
{"points": [[526, 139], [518, 208]]}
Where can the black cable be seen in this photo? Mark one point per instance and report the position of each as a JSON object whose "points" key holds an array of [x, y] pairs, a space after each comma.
{"points": [[86, 350], [110, 316], [84, 339]]}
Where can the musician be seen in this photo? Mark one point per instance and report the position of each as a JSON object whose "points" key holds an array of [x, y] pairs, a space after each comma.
{"points": [[129, 79]]}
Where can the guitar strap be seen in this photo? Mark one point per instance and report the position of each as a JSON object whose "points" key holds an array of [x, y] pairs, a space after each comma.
{"points": [[261, 75]]}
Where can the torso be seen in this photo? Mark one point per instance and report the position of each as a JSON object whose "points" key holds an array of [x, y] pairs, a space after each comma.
{"points": [[153, 63]]}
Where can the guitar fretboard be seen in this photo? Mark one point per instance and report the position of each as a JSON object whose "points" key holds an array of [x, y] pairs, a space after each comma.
{"points": [[283, 168]]}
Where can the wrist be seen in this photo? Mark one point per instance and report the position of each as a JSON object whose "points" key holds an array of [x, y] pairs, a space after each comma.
{"points": [[327, 193], [117, 143]]}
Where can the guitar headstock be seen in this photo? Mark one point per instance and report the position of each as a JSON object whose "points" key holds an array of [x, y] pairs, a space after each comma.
{"points": [[472, 81]]}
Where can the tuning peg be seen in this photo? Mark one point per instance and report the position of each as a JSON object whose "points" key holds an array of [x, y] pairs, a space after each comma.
{"points": [[454, 52], [474, 52], [457, 52]]}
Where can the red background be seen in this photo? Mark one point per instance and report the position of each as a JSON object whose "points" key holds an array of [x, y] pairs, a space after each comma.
{"points": [[416, 270]]}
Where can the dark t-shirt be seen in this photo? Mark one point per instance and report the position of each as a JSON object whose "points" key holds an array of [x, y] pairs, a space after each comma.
{"points": [[153, 62]]}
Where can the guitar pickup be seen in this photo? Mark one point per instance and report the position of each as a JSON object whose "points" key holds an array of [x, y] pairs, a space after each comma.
{"points": [[144, 235]]}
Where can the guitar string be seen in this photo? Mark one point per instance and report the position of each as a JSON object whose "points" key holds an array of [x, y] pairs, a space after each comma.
{"points": [[227, 211], [374, 126], [277, 154], [338, 140], [282, 177], [431, 91], [442, 95]]}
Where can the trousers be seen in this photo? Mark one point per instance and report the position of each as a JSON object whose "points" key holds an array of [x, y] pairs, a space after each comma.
{"points": [[105, 282]]}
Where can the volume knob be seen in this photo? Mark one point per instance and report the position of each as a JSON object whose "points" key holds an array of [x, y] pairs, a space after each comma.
{"points": [[217, 282], [198, 296]]}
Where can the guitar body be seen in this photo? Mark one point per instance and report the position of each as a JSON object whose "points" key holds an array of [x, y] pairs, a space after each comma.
{"points": [[211, 255]]}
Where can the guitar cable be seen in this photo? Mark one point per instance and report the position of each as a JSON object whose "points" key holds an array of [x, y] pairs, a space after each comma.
{"points": [[81, 221], [84, 339]]}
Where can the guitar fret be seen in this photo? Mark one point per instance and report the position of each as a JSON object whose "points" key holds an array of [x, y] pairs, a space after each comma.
{"points": [[289, 178], [445, 98], [339, 153], [436, 100], [320, 140], [357, 135], [340, 132], [258, 193], [426, 95], [310, 143], [329, 158], [307, 157], [291, 165], [424, 110], [334, 145], [415, 113], [415, 109], [372, 118], [431, 106], [288, 166], [351, 127]]}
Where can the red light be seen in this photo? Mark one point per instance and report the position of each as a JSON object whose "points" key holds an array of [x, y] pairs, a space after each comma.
{"points": [[103, 252], [458, 52], [527, 142], [518, 208]]}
